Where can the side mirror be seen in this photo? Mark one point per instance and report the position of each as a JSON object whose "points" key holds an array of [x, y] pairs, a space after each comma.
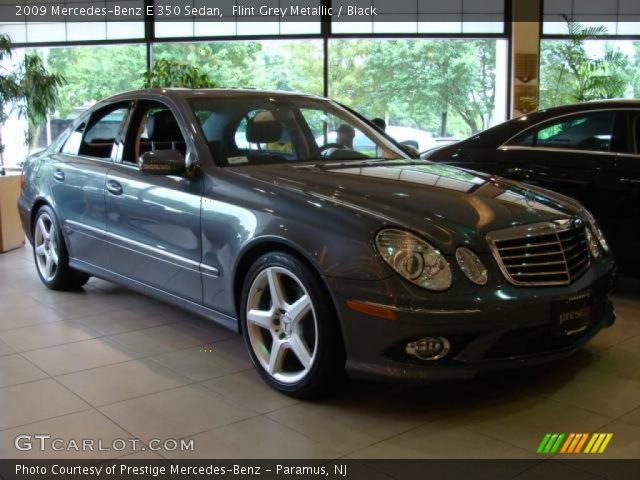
{"points": [[411, 143], [162, 162]]}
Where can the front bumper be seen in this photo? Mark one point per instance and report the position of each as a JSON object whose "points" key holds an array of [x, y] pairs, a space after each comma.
{"points": [[488, 328]]}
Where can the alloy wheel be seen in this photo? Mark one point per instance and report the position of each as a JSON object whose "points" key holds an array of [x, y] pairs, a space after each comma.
{"points": [[282, 325], [46, 247]]}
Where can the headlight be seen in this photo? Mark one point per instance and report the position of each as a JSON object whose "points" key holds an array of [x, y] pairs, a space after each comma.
{"points": [[595, 230], [592, 243], [414, 259], [471, 266]]}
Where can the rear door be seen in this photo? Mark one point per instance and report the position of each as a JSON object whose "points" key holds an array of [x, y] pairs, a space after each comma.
{"points": [[78, 173]]}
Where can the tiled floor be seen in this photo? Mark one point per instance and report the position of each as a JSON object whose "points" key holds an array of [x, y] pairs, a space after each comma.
{"points": [[107, 363]]}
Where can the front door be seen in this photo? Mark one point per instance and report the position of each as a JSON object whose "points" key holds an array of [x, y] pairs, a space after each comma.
{"points": [[153, 221], [78, 174]]}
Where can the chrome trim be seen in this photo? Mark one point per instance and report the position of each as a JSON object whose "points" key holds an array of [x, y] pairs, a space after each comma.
{"points": [[523, 232], [410, 349], [506, 148], [421, 311], [197, 266], [571, 114]]}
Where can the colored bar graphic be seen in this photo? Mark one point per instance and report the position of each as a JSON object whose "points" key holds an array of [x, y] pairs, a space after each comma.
{"points": [[543, 443], [555, 443]]}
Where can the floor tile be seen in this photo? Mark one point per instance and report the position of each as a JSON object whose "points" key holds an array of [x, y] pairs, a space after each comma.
{"points": [[526, 427], [174, 413], [14, 369], [167, 338], [592, 392], [441, 440], [30, 314], [89, 424], [77, 356], [248, 390], [112, 323], [5, 349], [46, 335], [256, 438], [30, 402], [122, 381], [209, 361], [349, 424]]}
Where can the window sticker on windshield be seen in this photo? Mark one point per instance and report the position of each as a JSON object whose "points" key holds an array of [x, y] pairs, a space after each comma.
{"points": [[237, 160]]}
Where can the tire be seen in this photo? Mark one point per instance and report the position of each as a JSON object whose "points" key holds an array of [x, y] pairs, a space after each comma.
{"points": [[50, 253], [295, 343]]}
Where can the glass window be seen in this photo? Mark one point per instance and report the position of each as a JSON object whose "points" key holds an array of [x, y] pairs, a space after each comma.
{"points": [[290, 65], [46, 27], [286, 129], [430, 92], [419, 16], [593, 131], [220, 18], [620, 17], [72, 144], [582, 70], [153, 127], [101, 132]]}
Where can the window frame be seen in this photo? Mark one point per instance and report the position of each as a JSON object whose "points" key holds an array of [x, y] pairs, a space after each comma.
{"points": [[87, 119], [139, 106], [618, 141]]}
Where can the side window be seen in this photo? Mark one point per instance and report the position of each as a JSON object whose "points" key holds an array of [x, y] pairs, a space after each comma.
{"points": [[72, 144], [329, 129], [592, 131], [154, 127], [100, 136]]}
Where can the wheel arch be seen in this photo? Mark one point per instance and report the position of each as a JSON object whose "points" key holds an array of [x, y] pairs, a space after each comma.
{"points": [[258, 248]]}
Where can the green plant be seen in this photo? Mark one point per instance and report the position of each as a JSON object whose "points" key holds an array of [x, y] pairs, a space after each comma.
{"points": [[27, 88], [169, 73], [578, 77]]}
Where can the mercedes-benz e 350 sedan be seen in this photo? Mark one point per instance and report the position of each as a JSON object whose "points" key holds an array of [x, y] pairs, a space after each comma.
{"points": [[236, 205]]}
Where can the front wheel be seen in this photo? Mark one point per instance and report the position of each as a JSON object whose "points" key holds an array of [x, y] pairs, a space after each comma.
{"points": [[51, 256], [290, 327]]}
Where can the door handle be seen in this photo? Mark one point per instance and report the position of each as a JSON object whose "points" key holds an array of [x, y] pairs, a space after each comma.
{"points": [[58, 175], [631, 181], [114, 187]]}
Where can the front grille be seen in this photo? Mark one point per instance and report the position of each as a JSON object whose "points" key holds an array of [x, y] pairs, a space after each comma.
{"points": [[553, 253]]}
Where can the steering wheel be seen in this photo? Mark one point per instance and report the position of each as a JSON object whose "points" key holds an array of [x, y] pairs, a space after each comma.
{"points": [[327, 146]]}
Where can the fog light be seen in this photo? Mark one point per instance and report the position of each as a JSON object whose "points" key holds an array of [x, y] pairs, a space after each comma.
{"points": [[428, 348]]}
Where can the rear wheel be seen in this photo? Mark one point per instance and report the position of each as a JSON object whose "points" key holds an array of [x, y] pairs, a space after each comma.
{"points": [[50, 254], [290, 327]]}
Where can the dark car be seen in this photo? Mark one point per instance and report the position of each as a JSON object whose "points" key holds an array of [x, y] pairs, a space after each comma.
{"points": [[226, 203], [589, 151]]}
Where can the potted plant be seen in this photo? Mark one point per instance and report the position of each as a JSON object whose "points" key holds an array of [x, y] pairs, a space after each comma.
{"points": [[26, 88]]}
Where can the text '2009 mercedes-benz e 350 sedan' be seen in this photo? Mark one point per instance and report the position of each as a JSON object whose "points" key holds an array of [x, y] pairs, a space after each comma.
{"points": [[256, 210]]}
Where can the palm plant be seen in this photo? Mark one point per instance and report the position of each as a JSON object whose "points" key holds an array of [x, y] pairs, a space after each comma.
{"points": [[590, 78], [26, 88]]}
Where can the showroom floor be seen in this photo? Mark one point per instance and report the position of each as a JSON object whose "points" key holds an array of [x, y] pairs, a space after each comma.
{"points": [[107, 363]]}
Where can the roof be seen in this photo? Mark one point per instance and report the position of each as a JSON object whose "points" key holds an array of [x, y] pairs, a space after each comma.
{"points": [[217, 92]]}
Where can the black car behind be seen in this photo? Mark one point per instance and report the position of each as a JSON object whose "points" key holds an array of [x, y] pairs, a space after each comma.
{"points": [[589, 151]]}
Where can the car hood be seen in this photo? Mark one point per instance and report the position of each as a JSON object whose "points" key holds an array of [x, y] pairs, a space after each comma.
{"points": [[448, 205]]}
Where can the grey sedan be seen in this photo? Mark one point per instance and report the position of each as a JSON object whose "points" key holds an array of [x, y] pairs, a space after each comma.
{"points": [[237, 205]]}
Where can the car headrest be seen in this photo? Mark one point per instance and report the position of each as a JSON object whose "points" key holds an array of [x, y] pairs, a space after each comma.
{"points": [[163, 127], [264, 128]]}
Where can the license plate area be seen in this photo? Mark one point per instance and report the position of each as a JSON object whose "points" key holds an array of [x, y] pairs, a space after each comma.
{"points": [[573, 315]]}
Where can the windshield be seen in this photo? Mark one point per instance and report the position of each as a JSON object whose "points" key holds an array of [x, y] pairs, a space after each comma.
{"points": [[259, 130]]}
